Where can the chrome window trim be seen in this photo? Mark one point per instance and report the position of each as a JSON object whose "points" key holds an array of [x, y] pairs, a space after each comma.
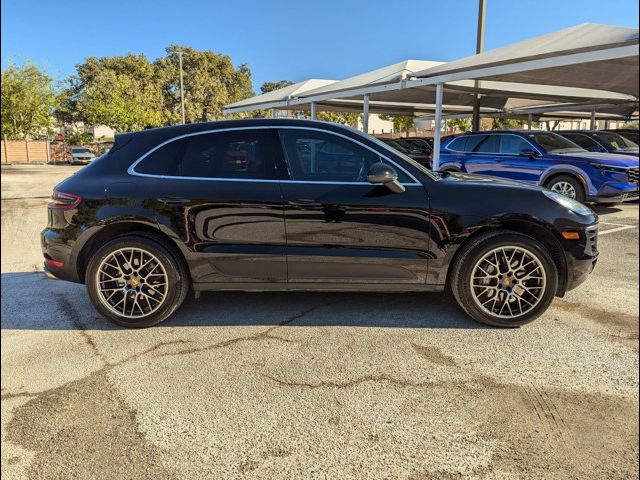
{"points": [[131, 169]]}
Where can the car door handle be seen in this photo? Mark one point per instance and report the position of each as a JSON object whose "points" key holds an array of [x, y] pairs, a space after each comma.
{"points": [[173, 200]]}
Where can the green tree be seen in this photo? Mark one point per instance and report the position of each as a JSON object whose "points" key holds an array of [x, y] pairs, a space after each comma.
{"points": [[210, 82], [462, 124], [344, 118], [507, 123], [28, 100], [271, 86], [400, 122], [120, 92]]}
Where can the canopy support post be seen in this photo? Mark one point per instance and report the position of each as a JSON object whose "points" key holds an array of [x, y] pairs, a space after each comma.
{"points": [[435, 166], [592, 126], [529, 121], [365, 114], [314, 111]]}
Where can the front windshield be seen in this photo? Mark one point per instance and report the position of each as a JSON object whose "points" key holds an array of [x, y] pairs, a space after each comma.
{"points": [[617, 142], [553, 143], [80, 150], [419, 146]]}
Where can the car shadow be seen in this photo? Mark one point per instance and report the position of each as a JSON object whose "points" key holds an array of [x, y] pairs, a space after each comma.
{"points": [[30, 301], [604, 209]]}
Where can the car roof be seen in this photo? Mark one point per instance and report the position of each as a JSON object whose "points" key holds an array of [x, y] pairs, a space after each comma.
{"points": [[493, 132]]}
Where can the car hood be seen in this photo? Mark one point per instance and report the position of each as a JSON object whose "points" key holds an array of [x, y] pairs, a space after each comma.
{"points": [[611, 159]]}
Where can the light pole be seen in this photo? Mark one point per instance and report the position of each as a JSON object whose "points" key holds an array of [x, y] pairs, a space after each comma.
{"points": [[181, 88], [482, 10]]}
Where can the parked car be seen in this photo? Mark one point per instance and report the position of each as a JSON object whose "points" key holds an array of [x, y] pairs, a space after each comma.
{"points": [[418, 152], [599, 141], [80, 155], [310, 206], [545, 159], [627, 133]]}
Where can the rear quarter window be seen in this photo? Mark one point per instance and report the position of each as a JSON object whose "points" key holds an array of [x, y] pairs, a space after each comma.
{"points": [[465, 143], [163, 160]]}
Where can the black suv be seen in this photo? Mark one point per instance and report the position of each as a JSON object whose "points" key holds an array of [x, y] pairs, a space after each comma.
{"points": [[261, 205]]}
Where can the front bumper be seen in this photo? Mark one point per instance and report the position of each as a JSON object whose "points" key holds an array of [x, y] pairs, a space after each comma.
{"points": [[581, 258], [616, 193]]}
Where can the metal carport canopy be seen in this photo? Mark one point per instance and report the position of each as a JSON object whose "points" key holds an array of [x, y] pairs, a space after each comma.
{"points": [[584, 56], [276, 98]]}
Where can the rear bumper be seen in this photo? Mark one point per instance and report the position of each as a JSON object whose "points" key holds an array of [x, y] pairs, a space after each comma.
{"points": [[56, 247]]}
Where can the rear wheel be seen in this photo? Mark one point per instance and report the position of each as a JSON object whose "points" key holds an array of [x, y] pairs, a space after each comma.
{"points": [[134, 281], [504, 279], [568, 186]]}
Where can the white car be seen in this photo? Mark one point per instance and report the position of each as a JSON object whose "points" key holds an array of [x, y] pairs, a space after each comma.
{"points": [[81, 155]]}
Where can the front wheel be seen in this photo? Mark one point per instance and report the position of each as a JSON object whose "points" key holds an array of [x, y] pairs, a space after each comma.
{"points": [[504, 279], [134, 281], [568, 186]]}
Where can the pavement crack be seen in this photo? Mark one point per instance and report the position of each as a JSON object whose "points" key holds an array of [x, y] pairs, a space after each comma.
{"points": [[383, 378], [226, 343], [69, 309], [256, 337]]}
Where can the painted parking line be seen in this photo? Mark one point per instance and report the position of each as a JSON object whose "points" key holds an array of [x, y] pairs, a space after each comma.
{"points": [[618, 227]]}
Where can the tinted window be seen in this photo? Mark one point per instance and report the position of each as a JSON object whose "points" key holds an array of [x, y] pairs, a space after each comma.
{"points": [[554, 143], [235, 154], [617, 142], [164, 160], [634, 137], [323, 157], [582, 140], [488, 145], [512, 144], [465, 143], [457, 144]]}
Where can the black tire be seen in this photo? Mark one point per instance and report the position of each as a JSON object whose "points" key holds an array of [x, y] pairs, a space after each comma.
{"points": [[178, 278], [574, 182], [474, 250]]}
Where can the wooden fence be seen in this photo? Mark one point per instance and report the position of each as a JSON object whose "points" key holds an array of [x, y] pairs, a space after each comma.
{"points": [[23, 151]]}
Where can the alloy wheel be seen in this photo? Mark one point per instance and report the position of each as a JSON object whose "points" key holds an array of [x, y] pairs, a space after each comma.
{"points": [[508, 282], [564, 188], [132, 282]]}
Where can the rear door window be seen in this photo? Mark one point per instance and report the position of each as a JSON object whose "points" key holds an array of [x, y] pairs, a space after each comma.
{"points": [[489, 145], [239, 154], [513, 144]]}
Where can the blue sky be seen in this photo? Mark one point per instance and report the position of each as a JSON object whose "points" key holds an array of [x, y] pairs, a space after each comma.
{"points": [[284, 39]]}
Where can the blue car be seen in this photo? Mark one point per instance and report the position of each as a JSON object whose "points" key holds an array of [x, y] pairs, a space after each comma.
{"points": [[599, 141], [545, 159]]}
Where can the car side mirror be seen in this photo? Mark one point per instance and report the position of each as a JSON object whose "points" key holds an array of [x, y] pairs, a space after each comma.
{"points": [[529, 152], [382, 174]]}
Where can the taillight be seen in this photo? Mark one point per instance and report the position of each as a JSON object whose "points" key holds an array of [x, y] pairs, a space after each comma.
{"points": [[64, 201]]}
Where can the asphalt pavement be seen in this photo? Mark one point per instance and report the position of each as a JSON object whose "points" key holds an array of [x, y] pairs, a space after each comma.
{"points": [[314, 385]]}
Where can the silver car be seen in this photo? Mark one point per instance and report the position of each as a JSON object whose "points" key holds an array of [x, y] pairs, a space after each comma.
{"points": [[81, 155]]}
